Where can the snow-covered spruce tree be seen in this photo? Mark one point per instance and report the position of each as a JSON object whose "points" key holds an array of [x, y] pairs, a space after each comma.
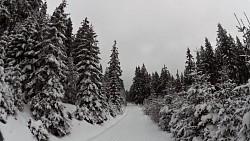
{"points": [[135, 87], [141, 87], [243, 67], [69, 37], [146, 79], [72, 75], [13, 52], [18, 11], [178, 84], [189, 70], [226, 56], [105, 83], [165, 82], [4, 18], [116, 98], [200, 56], [155, 82], [20, 32], [70, 85], [164, 78], [59, 19], [144, 85], [6, 93], [90, 100], [45, 84], [64, 25], [210, 69], [105, 89], [20, 56], [32, 29]]}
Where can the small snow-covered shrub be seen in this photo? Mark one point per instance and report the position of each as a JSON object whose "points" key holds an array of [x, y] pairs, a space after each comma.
{"points": [[112, 110], [171, 104], [165, 118], [152, 108], [183, 123], [115, 110], [38, 130], [83, 114]]}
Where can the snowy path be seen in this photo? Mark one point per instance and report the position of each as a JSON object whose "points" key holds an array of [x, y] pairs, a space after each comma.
{"points": [[135, 126]]}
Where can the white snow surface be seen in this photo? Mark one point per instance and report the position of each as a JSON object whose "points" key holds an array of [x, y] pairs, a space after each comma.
{"points": [[16, 128], [133, 125], [246, 119]]}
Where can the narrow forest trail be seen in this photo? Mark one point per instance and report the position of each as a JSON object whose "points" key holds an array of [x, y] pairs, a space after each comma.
{"points": [[135, 126]]}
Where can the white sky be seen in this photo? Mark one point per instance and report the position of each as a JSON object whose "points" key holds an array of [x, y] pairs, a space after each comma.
{"points": [[154, 32]]}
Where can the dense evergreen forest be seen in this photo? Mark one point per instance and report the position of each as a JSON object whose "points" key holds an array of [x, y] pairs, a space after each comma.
{"points": [[44, 65], [210, 101]]}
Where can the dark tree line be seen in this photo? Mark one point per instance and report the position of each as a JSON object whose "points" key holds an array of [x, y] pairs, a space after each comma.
{"points": [[226, 63], [145, 84]]}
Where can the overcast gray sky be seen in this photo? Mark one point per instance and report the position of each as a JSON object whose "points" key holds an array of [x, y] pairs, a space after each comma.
{"points": [[154, 32]]}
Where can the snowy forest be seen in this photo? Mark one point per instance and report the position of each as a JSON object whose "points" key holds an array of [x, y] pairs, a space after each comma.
{"points": [[46, 71], [43, 66], [210, 101]]}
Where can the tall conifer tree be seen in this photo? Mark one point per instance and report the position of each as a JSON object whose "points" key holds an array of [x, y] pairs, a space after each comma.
{"points": [[189, 69], [90, 100], [115, 84], [210, 63], [164, 81], [225, 56], [178, 84], [45, 86]]}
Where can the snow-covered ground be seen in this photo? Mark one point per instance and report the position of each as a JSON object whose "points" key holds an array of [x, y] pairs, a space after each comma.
{"points": [[135, 126], [132, 126]]}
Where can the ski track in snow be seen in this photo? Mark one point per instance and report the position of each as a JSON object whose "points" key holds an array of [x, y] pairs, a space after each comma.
{"points": [[135, 126], [107, 128]]}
